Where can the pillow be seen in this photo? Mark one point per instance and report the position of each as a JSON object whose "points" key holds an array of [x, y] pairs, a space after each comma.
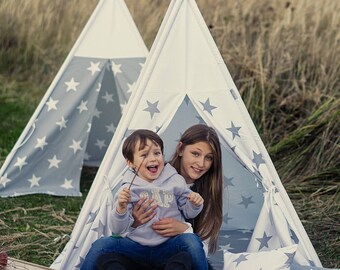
{"points": [[263, 260]]}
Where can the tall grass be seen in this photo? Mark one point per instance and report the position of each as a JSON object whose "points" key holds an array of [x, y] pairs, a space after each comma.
{"points": [[284, 57]]}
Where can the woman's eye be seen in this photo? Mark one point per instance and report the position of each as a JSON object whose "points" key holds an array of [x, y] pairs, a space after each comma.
{"points": [[209, 158], [195, 154]]}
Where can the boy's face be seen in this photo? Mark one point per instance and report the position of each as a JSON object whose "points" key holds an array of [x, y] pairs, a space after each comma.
{"points": [[152, 158]]}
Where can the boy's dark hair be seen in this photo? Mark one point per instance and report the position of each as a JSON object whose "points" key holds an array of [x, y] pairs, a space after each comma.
{"points": [[140, 135]]}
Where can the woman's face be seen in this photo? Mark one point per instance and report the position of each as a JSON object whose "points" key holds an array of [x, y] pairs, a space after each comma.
{"points": [[196, 160]]}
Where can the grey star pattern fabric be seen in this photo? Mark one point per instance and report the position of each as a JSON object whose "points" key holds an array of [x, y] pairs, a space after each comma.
{"points": [[264, 240], [234, 130], [240, 259], [152, 108], [78, 116], [67, 132], [114, 95]]}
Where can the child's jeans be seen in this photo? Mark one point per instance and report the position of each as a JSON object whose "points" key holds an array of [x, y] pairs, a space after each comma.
{"points": [[115, 261], [148, 256]]}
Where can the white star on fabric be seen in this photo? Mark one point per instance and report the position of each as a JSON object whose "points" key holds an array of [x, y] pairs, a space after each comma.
{"points": [[54, 162], [258, 159], [94, 67], [225, 247], [152, 108], [72, 85], [96, 113], [234, 130], [241, 258], [246, 231], [116, 68], [4, 180], [67, 184], [34, 181], [264, 240], [108, 97], [20, 162], [207, 107], [100, 144], [111, 128], [86, 156], [41, 143], [130, 87], [52, 104], [82, 107], [244, 238], [75, 146], [99, 86], [246, 201], [62, 123], [15, 194]]}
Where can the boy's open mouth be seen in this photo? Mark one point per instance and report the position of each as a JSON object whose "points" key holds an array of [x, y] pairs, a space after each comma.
{"points": [[152, 168]]}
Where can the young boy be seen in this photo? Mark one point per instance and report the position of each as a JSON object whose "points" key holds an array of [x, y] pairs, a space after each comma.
{"points": [[151, 178]]}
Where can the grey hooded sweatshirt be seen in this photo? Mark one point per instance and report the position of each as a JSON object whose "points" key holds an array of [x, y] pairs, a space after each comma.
{"points": [[169, 191]]}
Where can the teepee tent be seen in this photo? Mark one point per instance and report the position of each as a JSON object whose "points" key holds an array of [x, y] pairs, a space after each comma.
{"points": [[77, 117], [184, 82]]}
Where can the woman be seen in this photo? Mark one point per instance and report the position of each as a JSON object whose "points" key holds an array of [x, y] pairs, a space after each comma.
{"points": [[198, 159]]}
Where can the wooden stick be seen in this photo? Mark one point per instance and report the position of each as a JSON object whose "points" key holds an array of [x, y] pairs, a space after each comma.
{"points": [[140, 165]]}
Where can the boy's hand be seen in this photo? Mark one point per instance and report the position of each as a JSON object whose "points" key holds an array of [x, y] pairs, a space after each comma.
{"points": [[123, 199], [195, 199]]}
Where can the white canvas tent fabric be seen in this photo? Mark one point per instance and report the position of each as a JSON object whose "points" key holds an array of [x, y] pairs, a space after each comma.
{"points": [[184, 82], [78, 115]]}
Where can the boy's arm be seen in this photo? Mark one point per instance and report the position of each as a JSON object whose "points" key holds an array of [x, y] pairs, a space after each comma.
{"points": [[124, 197], [121, 213], [189, 209]]}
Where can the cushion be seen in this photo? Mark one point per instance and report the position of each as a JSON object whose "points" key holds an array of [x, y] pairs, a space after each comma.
{"points": [[263, 260]]}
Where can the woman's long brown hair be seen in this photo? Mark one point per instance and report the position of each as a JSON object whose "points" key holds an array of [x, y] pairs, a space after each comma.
{"points": [[207, 224]]}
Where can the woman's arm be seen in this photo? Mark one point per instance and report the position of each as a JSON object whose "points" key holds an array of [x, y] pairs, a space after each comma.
{"points": [[170, 227], [143, 212]]}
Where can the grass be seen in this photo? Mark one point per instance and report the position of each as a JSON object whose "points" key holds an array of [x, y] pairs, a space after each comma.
{"points": [[35, 228], [284, 57]]}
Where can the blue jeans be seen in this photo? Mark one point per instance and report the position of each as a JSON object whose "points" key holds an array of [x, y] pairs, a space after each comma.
{"points": [[148, 256]]}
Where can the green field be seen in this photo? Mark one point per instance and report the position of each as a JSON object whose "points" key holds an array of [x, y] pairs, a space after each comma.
{"points": [[284, 57]]}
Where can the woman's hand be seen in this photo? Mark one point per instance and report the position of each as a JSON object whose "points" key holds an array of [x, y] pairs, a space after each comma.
{"points": [[143, 211], [169, 227]]}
